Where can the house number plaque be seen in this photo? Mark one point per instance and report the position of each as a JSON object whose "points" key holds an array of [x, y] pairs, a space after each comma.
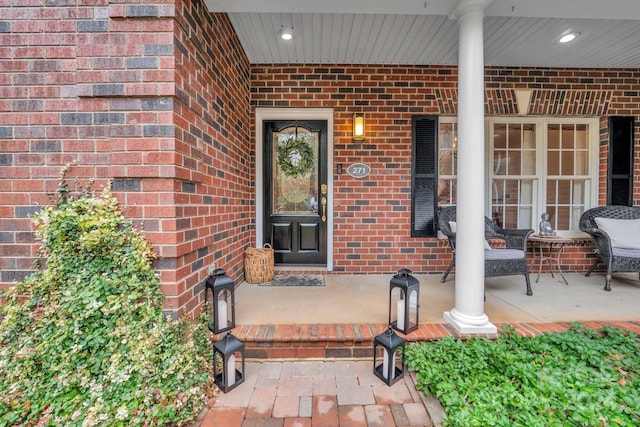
{"points": [[359, 170]]}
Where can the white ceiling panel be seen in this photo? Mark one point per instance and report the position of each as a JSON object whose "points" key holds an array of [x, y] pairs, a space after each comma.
{"points": [[517, 32]]}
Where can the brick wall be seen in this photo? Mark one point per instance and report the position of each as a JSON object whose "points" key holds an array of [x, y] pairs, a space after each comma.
{"points": [[213, 146], [372, 216], [143, 93]]}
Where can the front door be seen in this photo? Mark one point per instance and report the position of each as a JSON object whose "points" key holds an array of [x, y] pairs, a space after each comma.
{"points": [[295, 190]]}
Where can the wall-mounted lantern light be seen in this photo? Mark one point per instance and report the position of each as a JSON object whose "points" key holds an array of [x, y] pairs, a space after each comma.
{"points": [[404, 300], [228, 362], [358, 127], [220, 291], [388, 348]]}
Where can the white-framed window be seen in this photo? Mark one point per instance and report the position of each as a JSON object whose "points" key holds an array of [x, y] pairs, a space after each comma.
{"points": [[535, 165]]}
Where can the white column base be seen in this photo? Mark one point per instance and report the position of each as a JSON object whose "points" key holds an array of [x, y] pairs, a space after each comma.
{"points": [[469, 325]]}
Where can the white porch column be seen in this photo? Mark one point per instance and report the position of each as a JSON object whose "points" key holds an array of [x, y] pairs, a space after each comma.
{"points": [[468, 314]]}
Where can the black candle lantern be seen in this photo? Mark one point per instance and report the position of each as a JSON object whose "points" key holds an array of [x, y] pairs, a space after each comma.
{"points": [[388, 348], [220, 291], [404, 302], [228, 356]]}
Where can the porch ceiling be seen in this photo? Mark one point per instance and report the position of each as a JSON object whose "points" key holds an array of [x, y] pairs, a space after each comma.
{"points": [[516, 32]]}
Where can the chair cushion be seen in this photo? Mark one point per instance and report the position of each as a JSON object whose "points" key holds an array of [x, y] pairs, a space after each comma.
{"points": [[503, 254], [623, 233], [452, 226], [624, 252]]}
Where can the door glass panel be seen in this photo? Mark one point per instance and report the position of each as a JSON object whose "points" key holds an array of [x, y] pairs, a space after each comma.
{"points": [[295, 171]]}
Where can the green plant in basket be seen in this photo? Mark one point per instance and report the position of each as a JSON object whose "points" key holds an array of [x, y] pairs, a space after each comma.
{"points": [[84, 341]]}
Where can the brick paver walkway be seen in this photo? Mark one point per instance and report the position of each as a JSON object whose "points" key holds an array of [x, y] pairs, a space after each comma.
{"points": [[317, 394], [339, 393]]}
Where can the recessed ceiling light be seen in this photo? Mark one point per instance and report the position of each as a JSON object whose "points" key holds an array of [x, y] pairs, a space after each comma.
{"points": [[286, 33], [568, 37]]}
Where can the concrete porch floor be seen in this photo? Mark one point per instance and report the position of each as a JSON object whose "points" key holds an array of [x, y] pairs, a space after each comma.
{"points": [[364, 299]]}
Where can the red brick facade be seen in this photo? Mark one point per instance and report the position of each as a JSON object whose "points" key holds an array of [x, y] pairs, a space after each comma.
{"points": [[153, 95], [158, 96], [372, 217]]}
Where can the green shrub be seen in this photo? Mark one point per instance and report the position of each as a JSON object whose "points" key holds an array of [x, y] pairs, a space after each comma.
{"points": [[84, 340], [576, 378]]}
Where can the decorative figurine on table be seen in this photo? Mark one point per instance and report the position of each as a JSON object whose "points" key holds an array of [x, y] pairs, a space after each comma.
{"points": [[545, 226]]}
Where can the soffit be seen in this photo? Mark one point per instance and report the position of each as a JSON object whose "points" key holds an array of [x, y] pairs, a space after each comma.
{"points": [[516, 33]]}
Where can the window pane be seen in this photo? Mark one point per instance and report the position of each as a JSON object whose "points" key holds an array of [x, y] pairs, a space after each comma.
{"points": [[524, 221], [446, 163], [564, 192], [567, 163], [526, 192], [529, 162], [553, 162], [582, 135], [446, 192], [514, 163], [578, 192], [500, 136], [582, 162], [567, 137], [510, 218], [499, 162], [514, 137], [497, 191], [511, 192], [529, 136], [562, 219], [551, 192], [575, 218], [553, 137]]}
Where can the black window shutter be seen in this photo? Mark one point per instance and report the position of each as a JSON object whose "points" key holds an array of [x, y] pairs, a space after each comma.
{"points": [[620, 162], [424, 176]]}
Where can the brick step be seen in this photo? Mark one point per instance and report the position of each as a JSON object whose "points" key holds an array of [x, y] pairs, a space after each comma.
{"points": [[330, 341]]}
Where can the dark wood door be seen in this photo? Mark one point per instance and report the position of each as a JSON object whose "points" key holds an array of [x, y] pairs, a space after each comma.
{"points": [[295, 186]]}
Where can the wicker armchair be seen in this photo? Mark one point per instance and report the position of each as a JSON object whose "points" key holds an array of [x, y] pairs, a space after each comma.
{"points": [[510, 260], [617, 259]]}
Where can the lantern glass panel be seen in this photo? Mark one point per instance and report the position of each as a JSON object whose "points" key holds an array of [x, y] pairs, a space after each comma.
{"points": [[388, 365], [397, 314], [413, 309], [224, 316]]}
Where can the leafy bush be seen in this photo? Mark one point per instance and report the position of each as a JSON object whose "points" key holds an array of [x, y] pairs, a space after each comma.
{"points": [[576, 378], [84, 341]]}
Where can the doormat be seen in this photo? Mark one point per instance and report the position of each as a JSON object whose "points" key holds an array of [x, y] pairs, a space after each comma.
{"points": [[295, 280]]}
